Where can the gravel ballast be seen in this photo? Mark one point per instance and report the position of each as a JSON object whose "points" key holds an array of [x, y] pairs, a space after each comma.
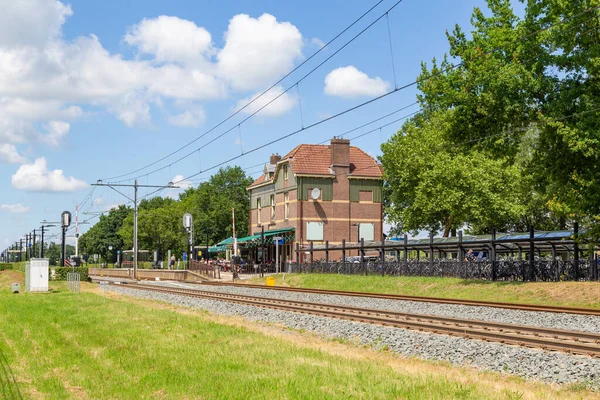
{"points": [[570, 322], [527, 363]]}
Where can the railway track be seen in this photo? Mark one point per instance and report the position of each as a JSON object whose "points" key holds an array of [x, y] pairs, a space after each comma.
{"points": [[581, 343], [512, 306]]}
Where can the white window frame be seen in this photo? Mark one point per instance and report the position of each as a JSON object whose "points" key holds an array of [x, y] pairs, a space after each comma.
{"points": [[285, 172], [286, 199], [259, 208], [273, 207]]}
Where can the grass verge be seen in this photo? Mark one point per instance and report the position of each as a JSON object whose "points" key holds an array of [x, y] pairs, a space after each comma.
{"points": [[62, 345], [569, 294]]}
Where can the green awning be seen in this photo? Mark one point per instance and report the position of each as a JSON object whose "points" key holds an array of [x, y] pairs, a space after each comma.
{"points": [[217, 249], [225, 242]]}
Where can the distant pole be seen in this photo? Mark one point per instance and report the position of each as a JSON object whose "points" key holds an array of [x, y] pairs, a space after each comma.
{"points": [[135, 229], [262, 246], [76, 230], [42, 244], [33, 246], [62, 251]]}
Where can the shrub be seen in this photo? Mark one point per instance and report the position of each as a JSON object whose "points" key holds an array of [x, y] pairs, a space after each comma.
{"points": [[6, 266], [60, 273]]}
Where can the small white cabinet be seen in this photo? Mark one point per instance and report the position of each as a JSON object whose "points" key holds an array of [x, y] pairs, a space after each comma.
{"points": [[36, 275]]}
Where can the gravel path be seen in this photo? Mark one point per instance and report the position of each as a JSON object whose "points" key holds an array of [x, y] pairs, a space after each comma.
{"points": [[569, 322], [527, 363]]}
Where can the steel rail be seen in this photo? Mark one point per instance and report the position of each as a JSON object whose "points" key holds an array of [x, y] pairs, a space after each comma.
{"points": [[477, 303], [574, 342]]}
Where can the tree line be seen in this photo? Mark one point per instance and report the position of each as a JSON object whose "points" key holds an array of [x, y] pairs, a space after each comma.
{"points": [[160, 218], [507, 136], [508, 131]]}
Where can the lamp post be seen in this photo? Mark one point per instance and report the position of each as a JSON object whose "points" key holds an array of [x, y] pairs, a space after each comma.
{"points": [[65, 221]]}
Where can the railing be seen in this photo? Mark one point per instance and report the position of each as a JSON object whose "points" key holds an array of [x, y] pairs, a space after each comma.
{"points": [[210, 271], [544, 269]]}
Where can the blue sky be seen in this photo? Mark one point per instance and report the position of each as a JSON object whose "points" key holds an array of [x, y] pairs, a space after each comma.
{"points": [[92, 90]]}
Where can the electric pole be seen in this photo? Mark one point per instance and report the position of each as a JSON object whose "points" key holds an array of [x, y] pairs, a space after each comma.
{"points": [[45, 224], [135, 187]]}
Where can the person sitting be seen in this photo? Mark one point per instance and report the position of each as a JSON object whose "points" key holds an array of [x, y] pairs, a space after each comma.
{"points": [[470, 257]]}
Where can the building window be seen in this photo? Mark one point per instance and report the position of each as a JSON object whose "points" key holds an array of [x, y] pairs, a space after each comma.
{"points": [[258, 207], [367, 232], [272, 207], [285, 172], [314, 231], [286, 198]]}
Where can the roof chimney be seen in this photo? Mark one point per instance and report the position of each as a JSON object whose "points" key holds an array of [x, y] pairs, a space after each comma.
{"points": [[340, 152], [275, 158]]}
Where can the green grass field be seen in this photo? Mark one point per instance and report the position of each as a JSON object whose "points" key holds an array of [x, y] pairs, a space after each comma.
{"points": [[572, 294], [62, 345]]}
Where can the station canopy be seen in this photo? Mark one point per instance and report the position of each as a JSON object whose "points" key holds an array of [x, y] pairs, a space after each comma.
{"points": [[288, 234]]}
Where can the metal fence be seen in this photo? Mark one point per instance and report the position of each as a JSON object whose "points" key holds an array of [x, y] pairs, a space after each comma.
{"points": [[74, 282], [544, 269]]}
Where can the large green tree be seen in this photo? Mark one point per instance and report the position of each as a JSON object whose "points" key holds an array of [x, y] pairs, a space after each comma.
{"points": [[435, 186], [522, 93], [105, 234]]}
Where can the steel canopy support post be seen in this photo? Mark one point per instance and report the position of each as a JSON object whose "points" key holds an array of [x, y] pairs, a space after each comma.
{"points": [[576, 250], [461, 254], [362, 254], [493, 254], [297, 257], [431, 251], [531, 254], [555, 264], [311, 256], [406, 252], [594, 265], [344, 254], [382, 257]]}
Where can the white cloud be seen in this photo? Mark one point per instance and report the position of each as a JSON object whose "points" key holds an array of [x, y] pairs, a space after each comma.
{"points": [[189, 118], [317, 42], [98, 200], [10, 155], [171, 39], [278, 107], [57, 130], [349, 82], [257, 50], [31, 22], [37, 178], [46, 81], [14, 208]]}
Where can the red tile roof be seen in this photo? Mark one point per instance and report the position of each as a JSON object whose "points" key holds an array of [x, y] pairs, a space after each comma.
{"points": [[315, 159]]}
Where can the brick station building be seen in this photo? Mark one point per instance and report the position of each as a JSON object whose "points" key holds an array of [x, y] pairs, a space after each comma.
{"points": [[316, 193]]}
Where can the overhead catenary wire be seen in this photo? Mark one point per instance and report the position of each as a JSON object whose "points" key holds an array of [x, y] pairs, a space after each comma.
{"points": [[257, 97], [417, 81]]}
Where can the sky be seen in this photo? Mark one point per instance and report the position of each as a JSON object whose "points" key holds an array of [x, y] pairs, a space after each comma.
{"points": [[95, 90]]}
